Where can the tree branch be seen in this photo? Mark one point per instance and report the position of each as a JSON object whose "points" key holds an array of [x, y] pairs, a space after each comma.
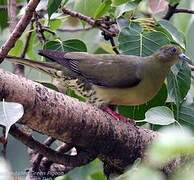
{"points": [[116, 143], [19, 29], [173, 10], [102, 25]]}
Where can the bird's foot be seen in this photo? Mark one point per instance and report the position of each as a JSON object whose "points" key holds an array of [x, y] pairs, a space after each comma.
{"points": [[115, 114]]}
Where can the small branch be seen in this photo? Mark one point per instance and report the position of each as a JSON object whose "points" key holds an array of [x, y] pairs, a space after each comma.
{"points": [[188, 11], [39, 29], [25, 50], [94, 23], [173, 10], [36, 161], [75, 30], [170, 12], [48, 30], [19, 29], [4, 7], [71, 161], [17, 68]]}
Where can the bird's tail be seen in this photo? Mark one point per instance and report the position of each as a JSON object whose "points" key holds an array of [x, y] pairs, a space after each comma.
{"points": [[53, 69]]}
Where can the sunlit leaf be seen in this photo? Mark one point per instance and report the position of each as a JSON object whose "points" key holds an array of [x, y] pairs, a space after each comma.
{"points": [[125, 8], [69, 45], [160, 115], [10, 113], [16, 50], [87, 7], [173, 2], [102, 9], [119, 2], [52, 6]]}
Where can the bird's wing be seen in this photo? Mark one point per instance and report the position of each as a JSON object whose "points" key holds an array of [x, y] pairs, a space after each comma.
{"points": [[118, 71]]}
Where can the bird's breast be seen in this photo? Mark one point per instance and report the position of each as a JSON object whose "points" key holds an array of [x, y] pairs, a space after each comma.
{"points": [[137, 95]]}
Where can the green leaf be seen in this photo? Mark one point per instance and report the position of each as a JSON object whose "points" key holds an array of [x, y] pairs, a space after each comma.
{"points": [[81, 173], [16, 50], [33, 46], [141, 173], [178, 82], [134, 41], [177, 36], [138, 112], [87, 7], [52, 6], [49, 85], [173, 2], [102, 9], [186, 113], [72, 93], [130, 6], [10, 113], [4, 16], [182, 20], [69, 45], [55, 24], [97, 176], [160, 115], [119, 2]]}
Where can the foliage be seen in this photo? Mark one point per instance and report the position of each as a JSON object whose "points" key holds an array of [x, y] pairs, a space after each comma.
{"points": [[139, 35]]}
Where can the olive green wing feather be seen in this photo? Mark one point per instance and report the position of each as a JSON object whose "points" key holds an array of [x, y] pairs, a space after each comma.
{"points": [[116, 71]]}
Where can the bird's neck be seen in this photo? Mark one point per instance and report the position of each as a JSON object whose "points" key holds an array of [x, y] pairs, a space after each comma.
{"points": [[157, 69]]}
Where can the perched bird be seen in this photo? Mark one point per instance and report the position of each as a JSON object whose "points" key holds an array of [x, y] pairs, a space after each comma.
{"points": [[119, 79]]}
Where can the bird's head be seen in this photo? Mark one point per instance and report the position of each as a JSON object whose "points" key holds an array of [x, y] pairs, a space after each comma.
{"points": [[171, 54]]}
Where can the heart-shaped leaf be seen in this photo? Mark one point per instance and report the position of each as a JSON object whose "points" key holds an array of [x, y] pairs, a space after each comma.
{"points": [[160, 115], [134, 41], [10, 113]]}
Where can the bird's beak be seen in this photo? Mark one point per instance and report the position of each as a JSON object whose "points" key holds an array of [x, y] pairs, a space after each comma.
{"points": [[185, 58]]}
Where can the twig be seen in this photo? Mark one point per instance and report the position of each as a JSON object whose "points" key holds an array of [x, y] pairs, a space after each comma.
{"points": [[19, 29], [75, 30], [71, 161], [25, 50], [94, 23], [12, 8], [37, 160], [173, 10], [43, 166], [48, 30], [189, 11], [39, 28], [4, 7]]}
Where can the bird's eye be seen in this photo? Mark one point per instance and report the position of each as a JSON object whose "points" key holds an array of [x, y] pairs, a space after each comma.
{"points": [[173, 50]]}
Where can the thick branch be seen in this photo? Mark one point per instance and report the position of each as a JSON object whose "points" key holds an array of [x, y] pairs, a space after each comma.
{"points": [[19, 29], [116, 143]]}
